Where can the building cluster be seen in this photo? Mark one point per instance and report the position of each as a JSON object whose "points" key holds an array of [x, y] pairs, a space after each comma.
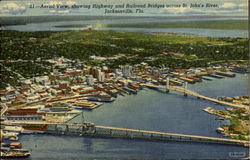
{"points": [[72, 80], [78, 85]]}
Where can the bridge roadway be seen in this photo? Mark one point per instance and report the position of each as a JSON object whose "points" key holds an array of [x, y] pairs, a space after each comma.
{"points": [[188, 92], [136, 133]]}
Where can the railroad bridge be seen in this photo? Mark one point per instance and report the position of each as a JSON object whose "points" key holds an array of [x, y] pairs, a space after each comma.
{"points": [[89, 129]]}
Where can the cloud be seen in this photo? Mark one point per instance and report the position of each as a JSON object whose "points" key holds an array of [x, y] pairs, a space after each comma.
{"points": [[54, 11], [243, 5], [183, 11], [70, 3], [228, 5], [233, 6], [59, 10], [224, 9], [55, 3], [12, 8]]}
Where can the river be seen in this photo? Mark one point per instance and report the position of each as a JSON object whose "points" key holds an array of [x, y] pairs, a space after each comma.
{"points": [[149, 110], [55, 26]]}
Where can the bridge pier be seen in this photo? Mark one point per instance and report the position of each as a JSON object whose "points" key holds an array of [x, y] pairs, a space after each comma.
{"points": [[167, 85], [56, 130], [67, 129], [185, 88]]}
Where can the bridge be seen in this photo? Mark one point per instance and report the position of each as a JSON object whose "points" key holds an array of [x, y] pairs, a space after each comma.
{"points": [[195, 94], [89, 129]]}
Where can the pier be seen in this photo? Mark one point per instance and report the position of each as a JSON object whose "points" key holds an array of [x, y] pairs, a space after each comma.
{"points": [[89, 129], [195, 94]]}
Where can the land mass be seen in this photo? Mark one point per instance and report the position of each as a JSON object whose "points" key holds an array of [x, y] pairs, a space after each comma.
{"points": [[210, 24], [21, 51], [215, 24]]}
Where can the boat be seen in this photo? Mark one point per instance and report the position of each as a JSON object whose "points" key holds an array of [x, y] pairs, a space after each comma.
{"points": [[5, 149], [100, 98], [13, 138], [225, 74], [209, 110], [15, 144], [14, 154], [220, 130]]}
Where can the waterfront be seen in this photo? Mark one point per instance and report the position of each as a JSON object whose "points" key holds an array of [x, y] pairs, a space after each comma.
{"points": [[151, 110]]}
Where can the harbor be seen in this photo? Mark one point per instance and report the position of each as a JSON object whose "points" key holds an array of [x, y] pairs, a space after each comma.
{"points": [[104, 131], [101, 132]]}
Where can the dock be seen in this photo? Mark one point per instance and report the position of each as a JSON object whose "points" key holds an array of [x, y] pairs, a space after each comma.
{"points": [[215, 76], [206, 78], [187, 80], [130, 90], [226, 74]]}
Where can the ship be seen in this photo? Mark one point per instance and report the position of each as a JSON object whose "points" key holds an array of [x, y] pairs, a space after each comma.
{"points": [[100, 98], [7, 153], [225, 74], [14, 154]]}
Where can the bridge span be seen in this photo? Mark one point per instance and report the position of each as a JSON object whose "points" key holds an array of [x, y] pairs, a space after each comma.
{"points": [[89, 129], [195, 94]]}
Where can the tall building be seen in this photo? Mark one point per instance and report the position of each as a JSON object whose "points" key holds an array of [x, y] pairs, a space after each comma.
{"points": [[94, 72], [126, 71], [101, 77], [89, 80]]}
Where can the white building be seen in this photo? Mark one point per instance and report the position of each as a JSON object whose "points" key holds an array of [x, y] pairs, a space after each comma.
{"points": [[101, 76], [89, 80], [126, 71]]}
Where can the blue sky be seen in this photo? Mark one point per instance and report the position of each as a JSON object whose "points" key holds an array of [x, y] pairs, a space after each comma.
{"points": [[224, 7]]}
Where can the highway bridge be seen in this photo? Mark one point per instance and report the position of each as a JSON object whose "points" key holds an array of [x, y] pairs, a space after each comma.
{"points": [[90, 129], [192, 93]]}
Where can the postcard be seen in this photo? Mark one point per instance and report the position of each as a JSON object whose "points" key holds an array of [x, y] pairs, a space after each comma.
{"points": [[124, 79]]}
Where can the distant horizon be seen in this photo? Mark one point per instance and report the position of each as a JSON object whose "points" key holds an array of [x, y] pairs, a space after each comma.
{"points": [[21, 20]]}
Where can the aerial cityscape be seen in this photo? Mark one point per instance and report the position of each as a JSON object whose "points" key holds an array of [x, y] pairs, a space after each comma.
{"points": [[101, 87]]}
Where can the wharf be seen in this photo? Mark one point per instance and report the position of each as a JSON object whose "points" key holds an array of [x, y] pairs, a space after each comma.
{"points": [[206, 78], [187, 80], [226, 74], [130, 90], [214, 76]]}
